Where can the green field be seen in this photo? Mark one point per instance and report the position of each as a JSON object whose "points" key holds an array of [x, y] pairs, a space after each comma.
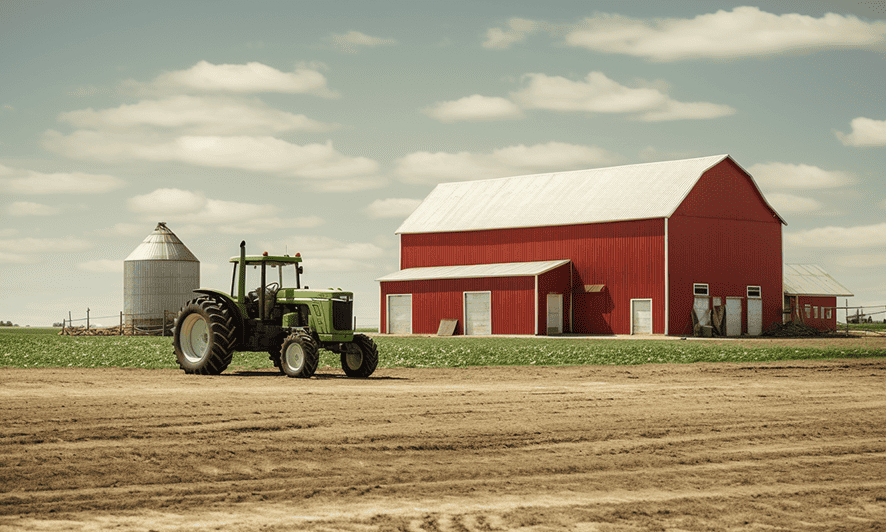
{"points": [[32, 347]]}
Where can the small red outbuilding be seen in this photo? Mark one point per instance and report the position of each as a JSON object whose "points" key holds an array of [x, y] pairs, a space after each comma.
{"points": [[622, 250], [810, 296]]}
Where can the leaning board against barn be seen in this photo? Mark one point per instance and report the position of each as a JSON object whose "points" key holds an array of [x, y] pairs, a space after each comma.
{"points": [[644, 244]]}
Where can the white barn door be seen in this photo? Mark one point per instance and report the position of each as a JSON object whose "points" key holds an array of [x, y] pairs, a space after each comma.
{"points": [[755, 317], [733, 316], [702, 308], [555, 313], [641, 316], [478, 313], [400, 314]]}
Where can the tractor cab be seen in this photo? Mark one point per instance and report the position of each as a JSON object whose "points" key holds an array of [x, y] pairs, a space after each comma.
{"points": [[276, 271]]}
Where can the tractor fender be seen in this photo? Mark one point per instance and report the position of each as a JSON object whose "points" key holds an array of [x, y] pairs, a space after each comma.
{"points": [[233, 308]]}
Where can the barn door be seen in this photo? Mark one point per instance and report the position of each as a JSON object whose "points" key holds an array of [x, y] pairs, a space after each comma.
{"points": [[641, 316], [555, 313], [702, 308], [478, 313], [755, 317], [733, 316], [400, 314]]}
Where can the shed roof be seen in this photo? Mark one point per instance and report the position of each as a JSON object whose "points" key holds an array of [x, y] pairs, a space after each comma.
{"points": [[162, 244], [632, 192], [811, 280], [509, 269]]}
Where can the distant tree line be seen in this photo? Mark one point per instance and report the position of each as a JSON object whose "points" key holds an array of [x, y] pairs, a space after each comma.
{"points": [[7, 324]]}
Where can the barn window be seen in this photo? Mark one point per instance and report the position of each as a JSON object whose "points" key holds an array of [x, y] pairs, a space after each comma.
{"points": [[808, 309], [700, 289], [754, 292], [830, 313], [815, 311]]}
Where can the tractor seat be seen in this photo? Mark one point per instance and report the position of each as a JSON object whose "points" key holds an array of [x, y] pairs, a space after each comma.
{"points": [[252, 300]]}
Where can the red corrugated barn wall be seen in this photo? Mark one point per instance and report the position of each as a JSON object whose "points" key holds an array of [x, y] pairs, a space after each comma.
{"points": [[815, 312], [628, 257], [723, 234]]}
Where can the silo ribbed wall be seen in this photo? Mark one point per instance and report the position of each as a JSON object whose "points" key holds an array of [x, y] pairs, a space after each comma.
{"points": [[151, 287]]}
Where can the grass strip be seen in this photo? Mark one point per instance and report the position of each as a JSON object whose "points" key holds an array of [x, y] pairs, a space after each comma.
{"points": [[46, 349]]}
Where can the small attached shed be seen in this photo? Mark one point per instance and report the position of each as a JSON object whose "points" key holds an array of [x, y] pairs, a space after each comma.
{"points": [[810, 296], [648, 245], [481, 297]]}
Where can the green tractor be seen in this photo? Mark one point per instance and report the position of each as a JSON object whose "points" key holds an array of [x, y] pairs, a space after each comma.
{"points": [[291, 324]]}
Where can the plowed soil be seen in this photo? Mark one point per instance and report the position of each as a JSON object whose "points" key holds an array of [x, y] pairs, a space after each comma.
{"points": [[778, 446]]}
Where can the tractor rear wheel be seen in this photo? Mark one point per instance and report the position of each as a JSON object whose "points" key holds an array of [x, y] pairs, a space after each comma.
{"points": [[360, 357], [203, 335], [299, 356]]}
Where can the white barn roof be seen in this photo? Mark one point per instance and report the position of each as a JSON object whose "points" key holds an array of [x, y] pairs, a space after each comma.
{"points": [[633, 192], [509, 269], [811, 280]]}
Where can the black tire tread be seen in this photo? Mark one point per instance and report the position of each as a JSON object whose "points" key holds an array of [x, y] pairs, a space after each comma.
{"points": [[312, 356], [370, 357], [221, 326]]}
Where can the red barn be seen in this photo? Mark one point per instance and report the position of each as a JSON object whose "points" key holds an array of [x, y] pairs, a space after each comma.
{"points": [[628, 249], [810, 296]]}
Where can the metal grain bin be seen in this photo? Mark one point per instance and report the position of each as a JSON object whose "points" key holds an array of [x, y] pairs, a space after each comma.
{"points": [[159, 276]]}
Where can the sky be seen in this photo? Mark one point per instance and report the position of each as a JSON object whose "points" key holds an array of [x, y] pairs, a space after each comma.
{"points": [[317, 127]]}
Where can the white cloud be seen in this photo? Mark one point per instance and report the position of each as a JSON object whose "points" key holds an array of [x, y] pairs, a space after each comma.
{"points": [[257, 154], [392, 207], [27, 208], [195, 115], [324, 253], [126, 229], [517, 30], [352, 41], [688, 111], [230, 217], [22, 250], [798, 176], [167, 201], [839, 237], [102, 266], [249, 78], [21, 181], [599, 94], [350, 185], [863, 260], [474, 108], [431, 168], [785, 203], [865, 132], [744, 31]]}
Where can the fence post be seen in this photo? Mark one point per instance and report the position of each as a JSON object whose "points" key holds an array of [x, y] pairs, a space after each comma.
{"points": [[87, 318], [63, 326], [121, 323]]}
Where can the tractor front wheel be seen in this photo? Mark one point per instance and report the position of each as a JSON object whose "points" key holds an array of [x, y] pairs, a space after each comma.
{"points": [[360, 357], [203, 336], [299, 356]]}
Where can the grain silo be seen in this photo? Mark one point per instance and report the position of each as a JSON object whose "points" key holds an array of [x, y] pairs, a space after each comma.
{"points": [[159, 276]]}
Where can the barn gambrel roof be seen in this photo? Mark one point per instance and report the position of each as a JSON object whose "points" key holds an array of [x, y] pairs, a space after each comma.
{"points": [[632, 192]]}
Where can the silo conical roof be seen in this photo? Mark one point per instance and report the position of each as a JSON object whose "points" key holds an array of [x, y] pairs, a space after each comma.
{"points": [[162, 244]]}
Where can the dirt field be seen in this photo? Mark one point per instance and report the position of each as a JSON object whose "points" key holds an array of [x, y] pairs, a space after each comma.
{"points": [[794, 445]]}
